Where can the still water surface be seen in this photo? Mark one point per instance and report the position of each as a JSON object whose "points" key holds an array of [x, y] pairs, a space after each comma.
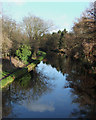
{"points": [[58, 88]]}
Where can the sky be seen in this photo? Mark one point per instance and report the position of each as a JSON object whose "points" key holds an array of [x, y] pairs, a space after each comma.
{"points": [[61, 14]]}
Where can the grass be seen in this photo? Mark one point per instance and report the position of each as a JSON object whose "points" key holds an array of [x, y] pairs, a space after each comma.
{"points": [[2, 74], [21, 71], [6, 81]]}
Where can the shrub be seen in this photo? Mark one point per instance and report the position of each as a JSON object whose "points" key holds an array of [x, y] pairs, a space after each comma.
{"points": [[24, 52]]}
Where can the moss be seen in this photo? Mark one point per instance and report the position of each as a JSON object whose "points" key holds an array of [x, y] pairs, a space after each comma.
{"points": [[6, 81], [40, 58], [31, 66], [3, 74], [34, 58], [41, 53]]}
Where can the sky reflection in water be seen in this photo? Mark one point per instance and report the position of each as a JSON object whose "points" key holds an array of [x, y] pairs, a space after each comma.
{"points": [[47, 98]]}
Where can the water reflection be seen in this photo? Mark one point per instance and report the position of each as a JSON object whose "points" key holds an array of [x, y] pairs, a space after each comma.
{"points": [[29, 88], [82, 83], [58, 88], [39, 107]]}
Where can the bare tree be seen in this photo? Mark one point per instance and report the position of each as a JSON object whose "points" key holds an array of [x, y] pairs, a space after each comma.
{"points": [[35, 27]]}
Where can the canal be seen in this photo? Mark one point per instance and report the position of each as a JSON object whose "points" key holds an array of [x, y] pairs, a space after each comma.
{"points": [[57, 88]]}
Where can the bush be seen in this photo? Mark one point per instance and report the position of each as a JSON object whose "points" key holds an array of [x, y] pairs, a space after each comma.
{"points": [[24, 52]]}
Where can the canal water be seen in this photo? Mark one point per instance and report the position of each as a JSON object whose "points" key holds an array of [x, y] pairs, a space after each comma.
{"points": [[57, 88]]}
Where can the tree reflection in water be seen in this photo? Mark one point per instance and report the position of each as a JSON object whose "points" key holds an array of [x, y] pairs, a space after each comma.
{"points": [[30, 87], [33, 85], [84, 86], [82, 83]]}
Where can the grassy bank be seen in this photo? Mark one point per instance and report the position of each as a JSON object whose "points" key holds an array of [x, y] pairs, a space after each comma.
{"points": [[8, 78]]}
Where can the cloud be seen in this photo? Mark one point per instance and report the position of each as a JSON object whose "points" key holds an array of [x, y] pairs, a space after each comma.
{"points": [[38, 107]]}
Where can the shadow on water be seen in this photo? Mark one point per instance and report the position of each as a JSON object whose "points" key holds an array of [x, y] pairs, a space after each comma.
{"points": [[7, 65], [33, 85], [82, 83], [30, 87]]}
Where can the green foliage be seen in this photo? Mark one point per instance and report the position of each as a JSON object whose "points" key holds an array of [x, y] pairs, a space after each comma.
{"points": [[62, 38], [41, 53], [23, 52], [3, 74], [19, 73], [25, 80], [6, 80]]}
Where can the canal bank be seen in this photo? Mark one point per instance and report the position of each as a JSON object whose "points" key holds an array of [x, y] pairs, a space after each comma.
{"points": [[7, 78]]}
